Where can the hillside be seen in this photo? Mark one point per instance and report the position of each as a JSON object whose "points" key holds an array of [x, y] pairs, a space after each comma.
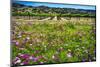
{"points": [[51, 10]]}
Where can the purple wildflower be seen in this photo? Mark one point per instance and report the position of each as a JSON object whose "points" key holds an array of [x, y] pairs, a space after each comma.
{"points": [[17, 43], [24, 56], [31, 57], [16, 60], [83, 60], [35, 59], [25, 62]]}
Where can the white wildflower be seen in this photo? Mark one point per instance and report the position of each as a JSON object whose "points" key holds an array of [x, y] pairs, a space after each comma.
{"points": [[69, 55], [28, 38], [30, 57], [21, 63], [30, 44], [66, 44], [53, 56], [18, 61], [19, 36], [83, 47]]}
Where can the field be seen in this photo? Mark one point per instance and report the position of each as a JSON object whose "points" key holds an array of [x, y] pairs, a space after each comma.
{"points": [[40, 40]]}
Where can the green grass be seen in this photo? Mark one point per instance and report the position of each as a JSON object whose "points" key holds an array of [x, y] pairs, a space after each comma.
{"points": [[56, 40]]}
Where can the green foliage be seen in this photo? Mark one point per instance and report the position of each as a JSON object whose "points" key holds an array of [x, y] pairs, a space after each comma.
{"points": [[57, 43]]}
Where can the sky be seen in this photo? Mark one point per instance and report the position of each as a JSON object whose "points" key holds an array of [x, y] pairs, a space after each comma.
{"points": [[29, 3]]}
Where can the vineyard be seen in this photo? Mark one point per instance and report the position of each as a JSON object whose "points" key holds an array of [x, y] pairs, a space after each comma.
{"points": [[52, 39]]}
